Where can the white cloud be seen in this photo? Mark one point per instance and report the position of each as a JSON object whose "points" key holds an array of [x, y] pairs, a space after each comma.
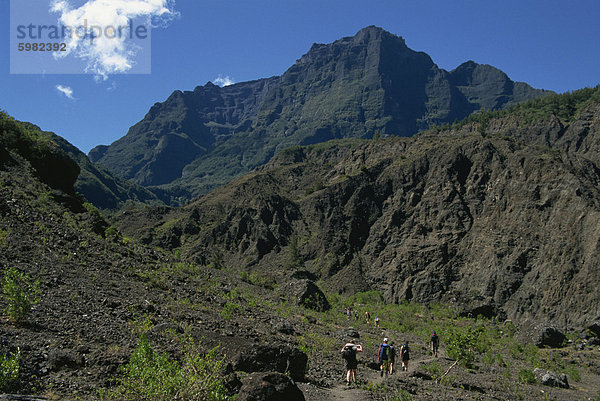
{"points": [[108, 52], [224, 81], [65, 90]]}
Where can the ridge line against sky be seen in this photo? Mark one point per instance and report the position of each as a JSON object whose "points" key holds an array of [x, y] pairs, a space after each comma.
{"points": [[548, 44]]}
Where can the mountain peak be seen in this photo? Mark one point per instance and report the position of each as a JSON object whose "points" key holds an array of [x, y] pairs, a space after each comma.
{"points": [[373, 32], [369, 38], [354, 87]]}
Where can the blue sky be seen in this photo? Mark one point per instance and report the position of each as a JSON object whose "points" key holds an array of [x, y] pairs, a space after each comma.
{"points": [[549, 44]]}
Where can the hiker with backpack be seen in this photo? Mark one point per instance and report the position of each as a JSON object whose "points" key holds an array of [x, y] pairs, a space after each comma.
{"points": [[405, 355], [383, 356], [349, 355], [434, 341], [392, 357]]}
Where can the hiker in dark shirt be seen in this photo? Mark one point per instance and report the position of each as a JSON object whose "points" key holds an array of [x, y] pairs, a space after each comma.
{"points": [[434, 341], [392, 357], [349, 354], [405, 355]]}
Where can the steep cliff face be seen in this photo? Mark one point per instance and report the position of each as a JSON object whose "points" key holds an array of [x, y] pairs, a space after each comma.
{"points": [[176, 132], [352, 88], [499, 218]]}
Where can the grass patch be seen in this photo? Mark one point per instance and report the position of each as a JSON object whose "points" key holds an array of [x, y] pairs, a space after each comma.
{"points": [[526, 376]]}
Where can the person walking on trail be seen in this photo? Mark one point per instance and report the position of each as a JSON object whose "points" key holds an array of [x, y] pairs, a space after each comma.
{"points": [[377, 321], [355, 315], [392, 357], [383, 354], [367, 317], [405, 355], [434, 342], [349, 354]]}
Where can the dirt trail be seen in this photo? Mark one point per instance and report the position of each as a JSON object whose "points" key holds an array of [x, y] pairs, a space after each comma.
{"points": [[341, 392]]}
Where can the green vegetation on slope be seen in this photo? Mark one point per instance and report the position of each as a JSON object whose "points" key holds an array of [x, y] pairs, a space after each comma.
{"points": [[566, 106], [154, 376]]}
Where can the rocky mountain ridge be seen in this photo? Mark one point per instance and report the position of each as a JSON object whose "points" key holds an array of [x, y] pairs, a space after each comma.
{"points": [[355, 87], [495, 216]]}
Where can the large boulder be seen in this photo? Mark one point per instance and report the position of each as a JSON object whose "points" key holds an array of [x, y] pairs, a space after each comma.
{"points": [[550, 337], [269, 386], [348, 333], [306, 293], [59, 359], [551, 379], [595, 328], [282, 325], [272, 358], [541, 335]]}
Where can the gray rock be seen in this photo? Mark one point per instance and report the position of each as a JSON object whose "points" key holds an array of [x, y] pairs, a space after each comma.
{"points": [[348, 333], [282, 325], [59, 359], [551, 379], [269, 386], [594, 341], [550, 337], [540, 335], [272, 358], [595, 328], [307, 294]]}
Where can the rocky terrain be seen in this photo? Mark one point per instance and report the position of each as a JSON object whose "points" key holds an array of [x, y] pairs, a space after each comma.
{"points": [[357, 87], [495, 216]]}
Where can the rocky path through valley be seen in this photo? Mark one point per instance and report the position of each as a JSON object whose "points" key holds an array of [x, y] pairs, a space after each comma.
{"points": [[368, 377]]}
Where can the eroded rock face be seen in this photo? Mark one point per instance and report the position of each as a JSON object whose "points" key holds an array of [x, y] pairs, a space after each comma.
{"points": [[501, 225], [269, 386]]}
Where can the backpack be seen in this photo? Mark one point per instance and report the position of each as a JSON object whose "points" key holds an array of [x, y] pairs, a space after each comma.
{"points": [[383, 351], [405, 351], [348, 353], [435, 339], [392, 352]]}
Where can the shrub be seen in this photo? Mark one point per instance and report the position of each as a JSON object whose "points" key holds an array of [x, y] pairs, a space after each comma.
{"points": [[112, 233], [155, 377], [9, 369], [229, 309], [462, 345], [3, 236], [434, 368], [20, 293], [526, 376]]}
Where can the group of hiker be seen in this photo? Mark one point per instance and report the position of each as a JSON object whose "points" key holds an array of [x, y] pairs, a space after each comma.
{"points": [[386, 354], [349, 312]]}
